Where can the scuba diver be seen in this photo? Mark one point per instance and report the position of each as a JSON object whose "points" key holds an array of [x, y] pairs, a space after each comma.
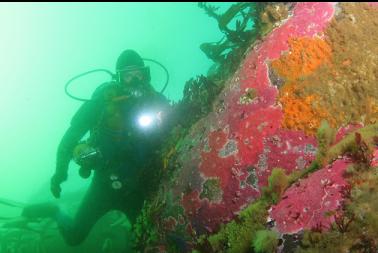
{"points": [[127, 121]]}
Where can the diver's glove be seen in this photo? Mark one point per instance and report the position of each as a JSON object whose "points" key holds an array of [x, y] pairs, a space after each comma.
{"points": [[55, 182]]}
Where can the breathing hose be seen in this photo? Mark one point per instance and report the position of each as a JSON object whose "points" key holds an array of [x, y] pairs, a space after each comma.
{"points": [[113, 77]]}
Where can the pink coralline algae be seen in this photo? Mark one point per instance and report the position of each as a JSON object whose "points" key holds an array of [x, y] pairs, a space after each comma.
{"points": [[227, 157], [343, 131], [310, 202], [245, 141], [374, 160]]}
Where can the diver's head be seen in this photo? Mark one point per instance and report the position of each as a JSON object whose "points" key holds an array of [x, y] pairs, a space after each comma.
{"points": [[132, 74]]}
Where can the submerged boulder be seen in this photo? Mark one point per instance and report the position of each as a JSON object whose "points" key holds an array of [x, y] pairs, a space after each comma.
{"points": [[318, 64]]}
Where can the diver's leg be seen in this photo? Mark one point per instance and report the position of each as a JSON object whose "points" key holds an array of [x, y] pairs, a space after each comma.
{"points": [[131, 205], [96, 203]]}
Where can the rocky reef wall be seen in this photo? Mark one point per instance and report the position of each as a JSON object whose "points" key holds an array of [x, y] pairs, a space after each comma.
{"points": [[316, 70]]}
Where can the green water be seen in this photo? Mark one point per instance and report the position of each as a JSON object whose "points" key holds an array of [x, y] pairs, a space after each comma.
{"points": [[44, 44]]}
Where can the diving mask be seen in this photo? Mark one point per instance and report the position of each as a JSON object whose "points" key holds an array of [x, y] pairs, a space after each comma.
{"points": [[134, 75]]}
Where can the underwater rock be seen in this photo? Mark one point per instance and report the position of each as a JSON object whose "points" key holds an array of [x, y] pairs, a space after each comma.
{"points": [[374, 160], [305, 204], [257, 124]]}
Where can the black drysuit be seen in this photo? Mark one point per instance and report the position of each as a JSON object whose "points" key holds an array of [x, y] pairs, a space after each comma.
{"points": [[126, 149]]}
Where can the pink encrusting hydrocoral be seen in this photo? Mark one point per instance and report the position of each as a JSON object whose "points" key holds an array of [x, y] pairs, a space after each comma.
{"points": [[309, 203], [242, 142]]}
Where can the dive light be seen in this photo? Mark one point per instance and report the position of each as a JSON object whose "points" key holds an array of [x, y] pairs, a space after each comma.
{"points": [[147, 120]]}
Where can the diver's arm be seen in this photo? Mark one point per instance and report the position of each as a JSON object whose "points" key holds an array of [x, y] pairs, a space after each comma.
{"points": [[64, 154], [84, 119], [74, 133]]}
